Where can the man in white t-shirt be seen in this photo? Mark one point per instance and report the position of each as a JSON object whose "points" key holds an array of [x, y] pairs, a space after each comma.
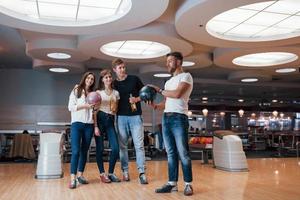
{"points": [[175, 124]]}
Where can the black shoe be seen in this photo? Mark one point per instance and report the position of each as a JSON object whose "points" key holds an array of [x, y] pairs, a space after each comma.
{"points": [[82, 180], [143, 179], [167, 188], [113, 178], [188, 190]]}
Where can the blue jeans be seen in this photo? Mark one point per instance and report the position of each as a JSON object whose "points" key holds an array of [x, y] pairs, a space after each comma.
{"points": [[133, 125], [106, 125], [175, 134], [81, 136]]}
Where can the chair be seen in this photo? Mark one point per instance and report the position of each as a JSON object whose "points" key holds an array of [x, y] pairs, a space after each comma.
{"points": [[22, 147]]}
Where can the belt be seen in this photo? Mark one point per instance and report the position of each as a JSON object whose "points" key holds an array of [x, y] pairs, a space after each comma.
{"points": [[169, 114]]}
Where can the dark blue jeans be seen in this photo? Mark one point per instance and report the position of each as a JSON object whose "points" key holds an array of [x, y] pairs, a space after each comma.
{"points": [[175, 134], [106, 125], [81, 136]]}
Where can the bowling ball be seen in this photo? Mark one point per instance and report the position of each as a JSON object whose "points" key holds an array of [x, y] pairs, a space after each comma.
{"points": [[147, 93], [93, 98]]}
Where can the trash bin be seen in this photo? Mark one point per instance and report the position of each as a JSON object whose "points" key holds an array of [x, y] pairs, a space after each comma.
{"points": [[229, 154], [49, 165]]}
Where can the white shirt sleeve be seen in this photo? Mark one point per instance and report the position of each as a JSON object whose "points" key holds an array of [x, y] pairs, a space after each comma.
{"points": [[187, 78], [72, 106]]}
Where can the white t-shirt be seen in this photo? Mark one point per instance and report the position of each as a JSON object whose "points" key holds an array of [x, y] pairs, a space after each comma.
{"points": [[178, 105], [108, 102], [82, 115]]}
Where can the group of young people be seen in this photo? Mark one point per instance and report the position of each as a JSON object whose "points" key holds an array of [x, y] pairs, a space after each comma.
{"points": [[121, 105]]}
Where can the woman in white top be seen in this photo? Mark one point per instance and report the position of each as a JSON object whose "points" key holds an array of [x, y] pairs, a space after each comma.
{"points": [[81, 127], [104, 125]]}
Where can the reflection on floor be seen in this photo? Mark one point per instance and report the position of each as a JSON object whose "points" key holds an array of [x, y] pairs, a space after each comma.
{"points": [[268, 179]]}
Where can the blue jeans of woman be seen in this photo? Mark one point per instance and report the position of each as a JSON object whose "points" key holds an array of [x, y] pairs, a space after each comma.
{"points": [[175, 134], [131, 125], [106, 125], [81, 136]]}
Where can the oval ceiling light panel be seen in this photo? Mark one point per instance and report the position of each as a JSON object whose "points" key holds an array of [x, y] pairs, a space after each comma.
{"points": [[264, 21], [58, 70], [286, 70], [188, 63], [59, 55], [66, 12], [135, 49], [265, 59], [249, 80], [162, 75]]}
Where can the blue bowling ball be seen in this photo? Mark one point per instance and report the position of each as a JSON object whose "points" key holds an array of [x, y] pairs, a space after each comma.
{"points": [[147, 93]]}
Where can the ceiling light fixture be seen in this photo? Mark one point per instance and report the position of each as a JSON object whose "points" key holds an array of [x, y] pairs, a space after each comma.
{"points": [[59, 55], [241, 100], [162, 75], [285, 70], [249, 80], [204, 98], [187, 63], [263, 21], [135, 49], [66, 12], [265, 59], [59, 69]]}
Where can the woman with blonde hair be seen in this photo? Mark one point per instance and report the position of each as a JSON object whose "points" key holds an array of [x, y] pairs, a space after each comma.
{"points": [[104, 124]]}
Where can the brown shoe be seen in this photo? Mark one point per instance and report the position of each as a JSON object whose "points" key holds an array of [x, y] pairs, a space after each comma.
{"points": [[104, 178]]}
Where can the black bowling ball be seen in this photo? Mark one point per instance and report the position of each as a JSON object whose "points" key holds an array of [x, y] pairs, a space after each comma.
{"points": [[147, 93]]}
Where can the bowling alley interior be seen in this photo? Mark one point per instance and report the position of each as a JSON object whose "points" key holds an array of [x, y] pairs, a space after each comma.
{"points": [[243, 112]]}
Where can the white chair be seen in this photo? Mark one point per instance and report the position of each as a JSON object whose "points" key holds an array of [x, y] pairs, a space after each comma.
{"points": [[50, 156]]}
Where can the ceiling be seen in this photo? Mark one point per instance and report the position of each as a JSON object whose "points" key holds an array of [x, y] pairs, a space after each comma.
{"points": [[178, 24]]}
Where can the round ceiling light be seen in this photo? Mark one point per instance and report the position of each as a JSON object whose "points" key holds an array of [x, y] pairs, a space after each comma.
{"points": [[66, 12], [265, 59], [249, 80], [162, 75], [187, 63], [264, 21], [58, 69], [135, 49], [285, 70], [59, 55]]}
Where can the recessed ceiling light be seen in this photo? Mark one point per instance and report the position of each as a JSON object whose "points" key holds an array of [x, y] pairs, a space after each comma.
{"points": [[162, 75], [135, 49], [59, 55], [66, 12], [241, 100], [274, 100], [204, 98], [285, 70], [264, 21], [249, 80], [265, 59], [187, 63], [59, 70]]}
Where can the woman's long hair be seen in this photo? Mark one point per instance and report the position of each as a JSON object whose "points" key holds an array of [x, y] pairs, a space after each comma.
{"points": [[103, 73], [81, 86]]}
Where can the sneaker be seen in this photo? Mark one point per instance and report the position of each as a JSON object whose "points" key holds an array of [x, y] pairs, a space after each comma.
{"points": [[143, 179], [188, 190], [167, 188], [126, 176], [104, 178], [113, 178], [82, 180], [73, 184]]}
